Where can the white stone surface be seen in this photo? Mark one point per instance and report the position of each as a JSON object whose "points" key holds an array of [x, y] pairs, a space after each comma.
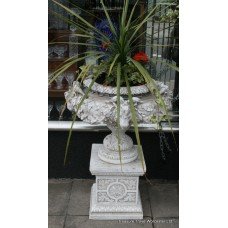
{"points": [[115, 195], [99, 108], [99, 167], [136, 90], [109, 151]]}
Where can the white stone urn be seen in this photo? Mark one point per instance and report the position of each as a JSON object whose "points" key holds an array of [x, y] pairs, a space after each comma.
{"points": [[115, 194], [100, 107]]}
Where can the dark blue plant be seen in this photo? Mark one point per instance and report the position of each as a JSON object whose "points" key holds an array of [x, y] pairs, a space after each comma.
{"points": [[103, 26]]}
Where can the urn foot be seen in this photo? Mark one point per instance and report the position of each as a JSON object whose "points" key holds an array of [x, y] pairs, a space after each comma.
{"points": [[109, 151], [113, 157]]}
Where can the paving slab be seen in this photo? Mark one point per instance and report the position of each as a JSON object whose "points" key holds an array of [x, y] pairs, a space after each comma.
{"points": [[60, 180], [80, 197], [167, 223], [58, 196], [85, 222], [56, 221], [143, 188], [72, 197], [164, 200]]}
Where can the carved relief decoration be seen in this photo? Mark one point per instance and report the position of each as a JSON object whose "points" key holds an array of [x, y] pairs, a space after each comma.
{"points": [[121, 189], [103, 197], [116, 190], [130, 197], [100, 108], [102, 184], [131, 184]]}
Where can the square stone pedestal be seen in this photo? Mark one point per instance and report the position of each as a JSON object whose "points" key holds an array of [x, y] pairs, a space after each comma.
{"points": [[115, 195]]}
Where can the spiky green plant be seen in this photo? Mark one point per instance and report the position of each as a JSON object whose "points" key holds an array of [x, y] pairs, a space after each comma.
{"points": [[118, 64]]}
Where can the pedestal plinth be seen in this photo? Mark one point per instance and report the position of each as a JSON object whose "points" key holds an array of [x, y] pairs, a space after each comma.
{"points": [[115, 195]]}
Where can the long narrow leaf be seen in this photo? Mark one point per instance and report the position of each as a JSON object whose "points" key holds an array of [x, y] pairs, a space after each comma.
{"points": [[67, 65], [82, 20], [167, 63], [139, 26], [74, 43], [118, 110], [124, 13], [108, 18], [75, 115], [64, 68], [112, 64], [154, 90], [134, 120], [131, 15]]}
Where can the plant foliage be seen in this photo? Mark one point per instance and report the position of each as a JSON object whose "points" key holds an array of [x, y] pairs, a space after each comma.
{"points": [[116, 63]]}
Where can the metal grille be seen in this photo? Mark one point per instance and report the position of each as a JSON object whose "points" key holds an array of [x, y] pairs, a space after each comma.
{"points": [[162, 32]]}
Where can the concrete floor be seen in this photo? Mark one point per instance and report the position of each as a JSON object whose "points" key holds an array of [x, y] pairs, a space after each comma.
{"points": [[68, 205]]}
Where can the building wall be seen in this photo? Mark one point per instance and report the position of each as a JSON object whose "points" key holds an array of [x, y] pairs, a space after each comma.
{"points": [[80, 148]]}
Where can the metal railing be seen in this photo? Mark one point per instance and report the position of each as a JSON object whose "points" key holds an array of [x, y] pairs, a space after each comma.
{"points": [[163, 38]]}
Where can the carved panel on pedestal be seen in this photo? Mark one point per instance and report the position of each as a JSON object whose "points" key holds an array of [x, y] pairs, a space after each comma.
{"points": [[102, 184], [130, 198], [103, 197], [131, 184], [117, 190]]}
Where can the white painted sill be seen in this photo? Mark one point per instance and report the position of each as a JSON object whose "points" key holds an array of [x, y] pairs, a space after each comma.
{"points": [[81, 126]]}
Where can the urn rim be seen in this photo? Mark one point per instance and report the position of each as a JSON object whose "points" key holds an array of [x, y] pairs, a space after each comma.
{"points": [[135, 90]]}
